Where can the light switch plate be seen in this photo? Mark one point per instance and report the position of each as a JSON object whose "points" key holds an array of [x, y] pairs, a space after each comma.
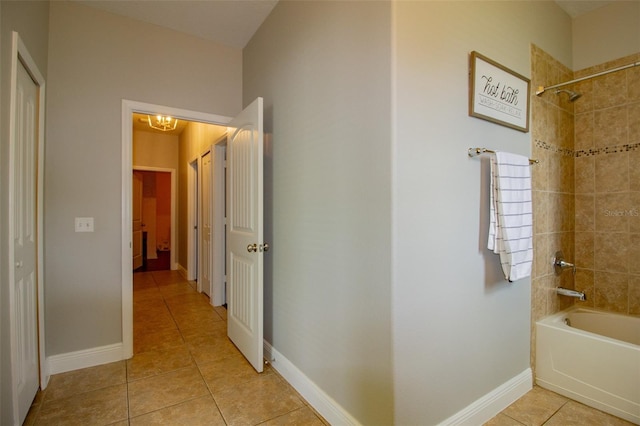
{"points": [[84, 224]]}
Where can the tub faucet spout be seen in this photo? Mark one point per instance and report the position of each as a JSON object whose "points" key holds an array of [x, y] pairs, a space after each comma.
{"points": [[571, 293]]}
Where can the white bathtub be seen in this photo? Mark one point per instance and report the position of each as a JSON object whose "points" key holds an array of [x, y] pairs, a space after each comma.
{"points": [[595, 361]]}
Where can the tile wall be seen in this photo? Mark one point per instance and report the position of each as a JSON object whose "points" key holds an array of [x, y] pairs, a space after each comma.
{"points": [[552, 130], [607, 186], [586, 188]]}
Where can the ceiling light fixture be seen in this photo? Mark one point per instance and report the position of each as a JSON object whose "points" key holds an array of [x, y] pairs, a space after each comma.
{"points": [[162, 123]]}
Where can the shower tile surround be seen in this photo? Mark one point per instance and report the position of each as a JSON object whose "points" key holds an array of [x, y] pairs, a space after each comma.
{"points": [[586, 188]]}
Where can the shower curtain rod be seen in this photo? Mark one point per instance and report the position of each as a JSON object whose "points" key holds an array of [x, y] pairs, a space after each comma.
{"points": [[542, 89]]}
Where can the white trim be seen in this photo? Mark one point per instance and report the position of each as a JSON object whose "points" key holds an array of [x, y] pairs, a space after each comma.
{"points": [[488, 406], [85, 358], [218, 258], [128, 108], [328, 408], [193, 169], [183, 272], [174, 200]]}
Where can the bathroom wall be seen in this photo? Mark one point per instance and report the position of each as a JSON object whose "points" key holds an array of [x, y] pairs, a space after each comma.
{"points": [[323, 69], [449, 294], [607, 151]]}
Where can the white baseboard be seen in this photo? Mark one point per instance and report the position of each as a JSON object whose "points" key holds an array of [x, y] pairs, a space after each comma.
{"points": [[316, 397], [85, 358], [182, 271], [494, 402]]}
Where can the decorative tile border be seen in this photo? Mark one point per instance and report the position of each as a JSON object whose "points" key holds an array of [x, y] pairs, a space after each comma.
{"points": [[587, 152], [548, 147], [608, 150]]}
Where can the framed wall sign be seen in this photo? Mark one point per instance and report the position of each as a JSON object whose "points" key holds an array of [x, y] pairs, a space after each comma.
{"points": [[498, 94]]}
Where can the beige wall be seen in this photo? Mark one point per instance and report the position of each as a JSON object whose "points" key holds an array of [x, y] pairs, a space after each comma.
{"points": [[31, 21], [323, 69], [605, 34], [195, 140], [96, 60], [155, 150], [459, 329]]}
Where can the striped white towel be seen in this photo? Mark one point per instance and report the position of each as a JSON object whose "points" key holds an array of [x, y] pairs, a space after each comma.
{"points": [[511, 214]]}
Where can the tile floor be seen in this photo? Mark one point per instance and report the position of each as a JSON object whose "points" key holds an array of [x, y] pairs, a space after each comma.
{"points": [[184, 371], [542, 407]]}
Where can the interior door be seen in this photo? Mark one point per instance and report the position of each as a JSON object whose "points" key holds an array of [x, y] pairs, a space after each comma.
{"points": [[24, 306], [205, 241], [137, 219], [245, 233]]}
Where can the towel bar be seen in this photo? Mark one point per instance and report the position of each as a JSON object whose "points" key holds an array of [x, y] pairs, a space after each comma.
{"points": [[474, 152]]}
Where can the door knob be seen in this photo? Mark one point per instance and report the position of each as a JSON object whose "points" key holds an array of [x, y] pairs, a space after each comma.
{"points": [[18, 265], [252, 248], [264, 247]]}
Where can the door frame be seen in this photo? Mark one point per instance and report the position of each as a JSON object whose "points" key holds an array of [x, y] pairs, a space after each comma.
{"points": [[174, 264], [193, 220], [20, 53], [197, 191], [218, 223], [128, 108]]}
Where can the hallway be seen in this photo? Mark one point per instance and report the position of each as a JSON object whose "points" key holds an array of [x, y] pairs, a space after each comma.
{"points": [[184, 371]]}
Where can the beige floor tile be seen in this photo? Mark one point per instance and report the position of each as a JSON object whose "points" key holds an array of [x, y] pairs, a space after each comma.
{"points": [[250, 403], [196, 332], [502, 420], [87, 379], [199, 411], [156, 340], [152, 363], [227, 372], [535, 407], [149, 324], [206, 350], [167, 277], [151, 293], [143, 280], [301, 417], [176, 289], [576, 414], [222, 311], [99, 407], [154, 393], [188, 298]]}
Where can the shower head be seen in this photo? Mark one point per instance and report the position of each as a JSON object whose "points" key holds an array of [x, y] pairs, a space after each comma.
{"points": [[572, 95]]}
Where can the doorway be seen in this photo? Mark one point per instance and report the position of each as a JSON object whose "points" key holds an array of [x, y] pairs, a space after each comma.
{"points": [[128, 109], [157, 218]]}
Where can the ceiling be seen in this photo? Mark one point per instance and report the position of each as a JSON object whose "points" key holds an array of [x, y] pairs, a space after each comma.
{"points": [[233, 22], [578, 7], [230, 22], [141, 123]]}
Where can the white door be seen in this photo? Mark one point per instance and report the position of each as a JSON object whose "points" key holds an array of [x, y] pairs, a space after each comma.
{"points": [[245, 233], [24, 303], [205, 241], [136, 213]]}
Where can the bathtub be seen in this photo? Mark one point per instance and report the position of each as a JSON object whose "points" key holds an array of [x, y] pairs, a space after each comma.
{"points": [[592, 357]]}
